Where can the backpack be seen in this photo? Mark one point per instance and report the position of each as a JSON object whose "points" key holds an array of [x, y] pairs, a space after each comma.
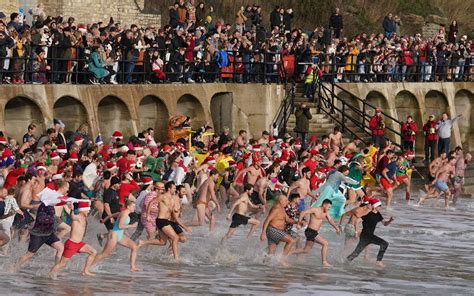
{"points": [[222, 59]]}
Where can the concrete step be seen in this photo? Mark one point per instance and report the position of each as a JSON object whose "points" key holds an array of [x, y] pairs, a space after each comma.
{"points": [[292, 119], [313, 126], [468, 191]]}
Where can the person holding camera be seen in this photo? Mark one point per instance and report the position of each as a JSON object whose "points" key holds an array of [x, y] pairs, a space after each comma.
{"points": [[377, 126], [303, 116], [409, 129]]}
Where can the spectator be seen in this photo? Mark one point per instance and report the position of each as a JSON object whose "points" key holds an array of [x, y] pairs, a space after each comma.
{"points": [[453, 32], [336, 24], [287, 19], [398, 24], [377, 126], [40, 67], [275, 18], [15, 22], [409, 130], [173, 15], [240, 20], [97, 66], [303, 116], [430, 139], [388, 25], [444, 128]]}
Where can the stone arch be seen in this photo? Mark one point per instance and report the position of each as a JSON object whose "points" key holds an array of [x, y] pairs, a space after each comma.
{"points": [[190, 106], [377, 99], [113, 114], [152, 112], [464, 103], [406, 104], [71, 111], [221, 110], [435, 103], [19, 113]]}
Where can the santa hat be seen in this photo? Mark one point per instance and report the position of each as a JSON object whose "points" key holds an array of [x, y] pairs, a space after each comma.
{"points": [[366, 199], [232, 163], [61, 149], [98, 140], [3, 140], [313, 152], [78, 140], [82, 29], [297, 143], [111, 166], [375, 202], [313, 139], [147, 181], [7, 153], [117, 135], [57, 177], [54, 155], [283, 145], [256, 148], [124, 149], [153, 149], [271, 139], [166, 148], [40, 166], [84, 206], [73, 156], [409, 154], [210, 160], [137, 147]]}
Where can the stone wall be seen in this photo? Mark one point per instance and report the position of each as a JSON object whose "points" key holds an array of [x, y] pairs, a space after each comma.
{"points": [[132, 108], [90, 11]]}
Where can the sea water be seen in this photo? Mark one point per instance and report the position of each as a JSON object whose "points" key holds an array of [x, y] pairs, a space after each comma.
{"points": [[431, 251]]}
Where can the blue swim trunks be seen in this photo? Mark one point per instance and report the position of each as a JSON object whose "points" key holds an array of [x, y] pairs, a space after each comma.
{"points": [[441, 185]]}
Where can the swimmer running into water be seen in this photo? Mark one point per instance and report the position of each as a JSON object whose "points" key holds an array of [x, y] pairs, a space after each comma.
{"points": [[75, 244], [239, 217], [116, 235], [316, 217]]}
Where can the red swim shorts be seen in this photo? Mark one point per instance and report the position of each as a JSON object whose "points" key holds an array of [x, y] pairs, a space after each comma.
{"points": [[401, 178], [71, 248], [385, 183]]}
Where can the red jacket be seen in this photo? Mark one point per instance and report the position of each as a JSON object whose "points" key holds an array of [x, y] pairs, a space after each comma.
{"points": [[430, 131], [409, 132], [374, 125]]}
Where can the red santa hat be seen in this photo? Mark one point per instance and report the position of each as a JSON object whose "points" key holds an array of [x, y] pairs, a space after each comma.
{"points": [[232, 163], [271, 139], [117, 135], [313, 139], [210, 160], [138, 147], [283, 145], [147, 181], [409, 154], [124, 149], [7, 153], [57, 177], [375, 202], [84, 206], [78, 140], [111, 166], [297, 143], [54, 155], [256, 148], [166, 148], [366, 199], [40, 166], [3, 140], [61, 149], [73, 156]]}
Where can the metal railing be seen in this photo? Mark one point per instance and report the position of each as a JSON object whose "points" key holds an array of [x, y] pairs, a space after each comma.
{"points": [[328, 101], [285, 110], [336, 70], [255, 67]]}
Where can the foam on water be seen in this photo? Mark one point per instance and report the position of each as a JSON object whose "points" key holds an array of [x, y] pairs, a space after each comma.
{"points": [[430, 251]]}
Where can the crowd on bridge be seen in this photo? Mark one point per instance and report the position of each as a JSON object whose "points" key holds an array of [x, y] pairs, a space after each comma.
{"points": [[199, 46], [147, 192]]}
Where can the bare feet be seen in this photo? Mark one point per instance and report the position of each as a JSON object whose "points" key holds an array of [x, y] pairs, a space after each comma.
{"points": [[53, 275], [326, 264], [134, 269], [140, 243], [379, 264], [88, 273]]}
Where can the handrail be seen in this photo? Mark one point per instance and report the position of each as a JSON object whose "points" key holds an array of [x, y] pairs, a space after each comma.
{"points": [[285, 110], [328, 96]]}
